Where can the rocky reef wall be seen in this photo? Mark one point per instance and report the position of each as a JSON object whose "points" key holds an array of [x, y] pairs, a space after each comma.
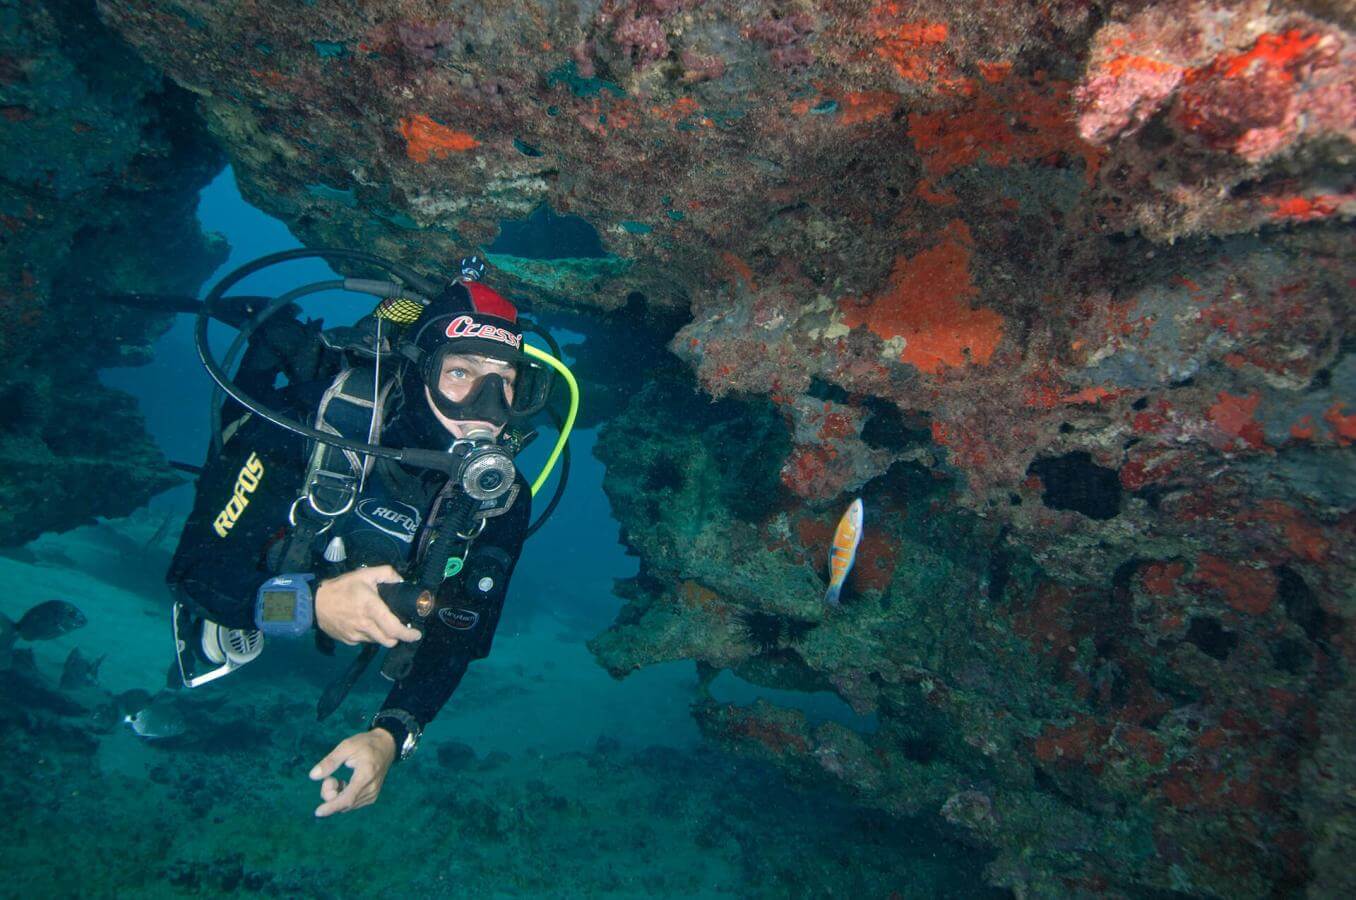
{"points": [[101, 160], [1063, 290]]}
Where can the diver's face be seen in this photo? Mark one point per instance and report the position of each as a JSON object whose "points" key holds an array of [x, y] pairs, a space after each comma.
{"points": [[459, 375]]}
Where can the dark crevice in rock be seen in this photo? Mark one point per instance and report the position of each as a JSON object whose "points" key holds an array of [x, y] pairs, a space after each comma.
{"points": [[1301, 605], [19, 408], [1291, 656], [749, 449], [827, 391], [1074, 482], [887, 428], [1210, 636], [664, 475], [546, 235]]}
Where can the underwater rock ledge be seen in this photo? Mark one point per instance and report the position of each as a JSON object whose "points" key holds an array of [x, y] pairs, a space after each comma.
{"points": [[1065, 294]]}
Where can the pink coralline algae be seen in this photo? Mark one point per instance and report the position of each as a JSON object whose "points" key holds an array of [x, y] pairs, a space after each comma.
{"points": [[642, 39], [785, 38], [829, 457], [1123, 95], [424, 40], [701, 68], [1251, 103], [1252, 100]]}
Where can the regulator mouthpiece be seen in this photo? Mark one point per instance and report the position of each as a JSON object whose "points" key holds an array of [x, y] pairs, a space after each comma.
{"points": [[487, 471]]}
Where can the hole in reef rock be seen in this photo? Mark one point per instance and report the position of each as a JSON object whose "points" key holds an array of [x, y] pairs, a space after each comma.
{"points": [[19, 408], [545, 235], [664, 475], [1073, 481], [887, 428], [1207, 634], [525, 148], [1291, 655]]}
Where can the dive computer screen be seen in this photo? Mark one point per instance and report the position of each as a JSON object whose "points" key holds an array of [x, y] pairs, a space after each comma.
{"points": [[279, 606]]}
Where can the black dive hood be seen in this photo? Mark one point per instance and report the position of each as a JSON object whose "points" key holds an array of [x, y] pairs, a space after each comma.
{"points": [[406, 285]]}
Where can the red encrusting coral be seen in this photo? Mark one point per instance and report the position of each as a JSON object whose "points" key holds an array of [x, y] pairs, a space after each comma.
{"points": [[1246, 588], [427, 139], [926, 302], [1234, 417], [1018, 120]]}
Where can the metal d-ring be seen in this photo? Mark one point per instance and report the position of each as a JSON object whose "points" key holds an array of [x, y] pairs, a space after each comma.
{"points": [[480, 526], [292, 514]]}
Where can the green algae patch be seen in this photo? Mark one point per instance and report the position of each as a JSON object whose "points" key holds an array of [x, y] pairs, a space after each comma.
{"points": [[329, 49], [563, 276], [568, 75]]}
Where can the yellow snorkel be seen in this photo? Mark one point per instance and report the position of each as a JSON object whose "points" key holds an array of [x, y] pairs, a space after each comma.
{"points": [[560, 367]]}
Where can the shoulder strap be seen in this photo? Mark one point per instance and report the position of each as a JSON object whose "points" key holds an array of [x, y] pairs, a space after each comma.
{"points": [[349, 409]]}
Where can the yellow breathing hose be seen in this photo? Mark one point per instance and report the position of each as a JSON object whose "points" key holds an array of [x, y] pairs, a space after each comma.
{"points": [[565, 373]]}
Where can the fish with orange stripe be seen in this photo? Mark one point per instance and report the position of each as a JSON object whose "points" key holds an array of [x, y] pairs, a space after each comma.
{"points": [[843, 553]]}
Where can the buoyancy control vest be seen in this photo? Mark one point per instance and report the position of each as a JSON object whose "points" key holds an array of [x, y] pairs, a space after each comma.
{"points": [[354, 511]]}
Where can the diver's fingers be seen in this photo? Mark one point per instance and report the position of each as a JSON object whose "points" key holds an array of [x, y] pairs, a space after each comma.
{"points": [[332, 761], [329, 789], [366, 797], [348, 796], [382, 575], [391, 627], [372, 632], [341, 803], [370, 788]]}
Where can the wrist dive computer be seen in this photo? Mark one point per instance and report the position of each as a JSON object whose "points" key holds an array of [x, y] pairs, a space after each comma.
{"points": [[285, 606]]}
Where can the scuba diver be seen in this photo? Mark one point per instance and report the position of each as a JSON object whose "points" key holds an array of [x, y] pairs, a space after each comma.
{"points": [[361, 489]]}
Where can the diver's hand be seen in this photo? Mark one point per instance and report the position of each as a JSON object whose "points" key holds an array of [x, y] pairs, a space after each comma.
{"points": [[349, 609], [369, 755]]}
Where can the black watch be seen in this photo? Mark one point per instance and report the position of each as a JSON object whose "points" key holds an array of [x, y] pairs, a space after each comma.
{"points": [[404, 727]]}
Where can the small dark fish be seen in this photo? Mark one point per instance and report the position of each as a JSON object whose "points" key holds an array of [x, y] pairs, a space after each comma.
{"points": [[44, 622], [159, 720], [79, 671]]}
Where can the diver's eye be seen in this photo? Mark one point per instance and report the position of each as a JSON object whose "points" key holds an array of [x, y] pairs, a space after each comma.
{"points": [[455, 372]]}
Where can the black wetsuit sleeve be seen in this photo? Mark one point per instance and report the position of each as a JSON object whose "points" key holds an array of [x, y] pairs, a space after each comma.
{"points": [[239, 509], [446, 651]]}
